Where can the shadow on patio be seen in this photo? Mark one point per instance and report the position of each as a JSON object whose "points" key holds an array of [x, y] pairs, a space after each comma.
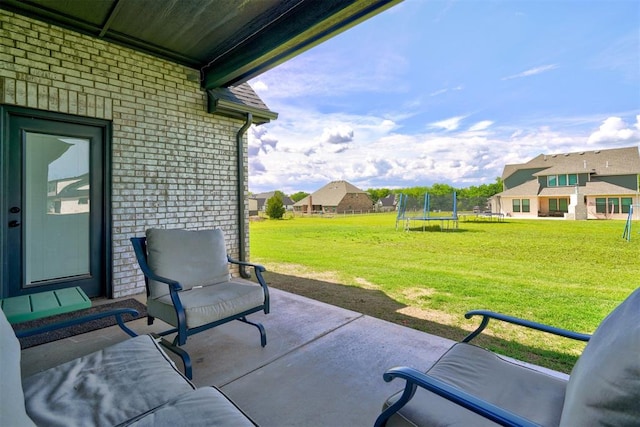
{"points": [[322, 365]]}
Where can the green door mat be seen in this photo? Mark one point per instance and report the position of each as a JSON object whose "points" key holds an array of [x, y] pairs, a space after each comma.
{"points": [[44, 304]]}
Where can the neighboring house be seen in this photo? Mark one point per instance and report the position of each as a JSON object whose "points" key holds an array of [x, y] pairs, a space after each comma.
{"points": [[387, 204], [156, 115], [258, 202], [582, 185], [335, 197]]}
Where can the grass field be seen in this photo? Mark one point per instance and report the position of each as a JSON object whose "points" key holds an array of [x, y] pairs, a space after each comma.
{"points": [[569, 274]]}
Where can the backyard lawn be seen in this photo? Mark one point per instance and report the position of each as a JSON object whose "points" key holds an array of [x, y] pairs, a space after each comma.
{"points": [[569, 274]]}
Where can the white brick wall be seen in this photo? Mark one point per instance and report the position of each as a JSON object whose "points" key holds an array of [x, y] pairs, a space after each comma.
{"points": [[174, 165]]}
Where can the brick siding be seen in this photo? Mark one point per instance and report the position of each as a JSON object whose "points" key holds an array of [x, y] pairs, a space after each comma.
{"points": [[174, 165]]}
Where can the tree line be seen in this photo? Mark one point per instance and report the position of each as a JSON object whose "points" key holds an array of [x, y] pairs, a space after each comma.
{"points": [[275, 207]]}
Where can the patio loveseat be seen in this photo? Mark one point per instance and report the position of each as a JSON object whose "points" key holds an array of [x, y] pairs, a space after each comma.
{"points": [[471, 386], [132, 383]]}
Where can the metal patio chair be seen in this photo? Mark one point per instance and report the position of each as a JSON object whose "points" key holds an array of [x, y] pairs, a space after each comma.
{"points": [[189, 285], [471, 386]]}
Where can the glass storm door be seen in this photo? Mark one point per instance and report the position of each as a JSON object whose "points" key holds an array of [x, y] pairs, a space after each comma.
{"points": [[55, 207]]}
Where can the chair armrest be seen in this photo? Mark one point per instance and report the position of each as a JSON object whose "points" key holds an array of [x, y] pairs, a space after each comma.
{"points": [[415, 378], [257, 267], [487, 315], [173, 284], [88, 318]]}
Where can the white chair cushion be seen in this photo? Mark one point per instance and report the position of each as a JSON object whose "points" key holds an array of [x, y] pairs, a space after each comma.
{"points": [[526, 392], [105, 388], [12, 410], [209, 303], [604, 388], [205, 407], [192, 258]]}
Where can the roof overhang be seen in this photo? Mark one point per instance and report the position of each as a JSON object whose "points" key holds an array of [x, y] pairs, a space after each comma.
{"points": [[229, 41], [219, 103]]}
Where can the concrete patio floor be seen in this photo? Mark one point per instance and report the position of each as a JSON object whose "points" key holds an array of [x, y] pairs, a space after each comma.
{"points": [[322, 365]]}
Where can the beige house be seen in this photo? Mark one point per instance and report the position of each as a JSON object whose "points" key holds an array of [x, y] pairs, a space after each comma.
{"points": [[596, 184], [258, 202], [335, 197], [153, 111]]}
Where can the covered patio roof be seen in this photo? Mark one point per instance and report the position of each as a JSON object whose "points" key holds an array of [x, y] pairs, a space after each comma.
{"points": [[228, 41]]}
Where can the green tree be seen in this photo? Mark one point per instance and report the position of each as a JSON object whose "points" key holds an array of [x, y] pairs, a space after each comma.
{"points": [[275, 207], [296, 197], [378, 193]]}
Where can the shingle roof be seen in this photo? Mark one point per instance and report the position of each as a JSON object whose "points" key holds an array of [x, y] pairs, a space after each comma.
{"points": [[242, 94], [263, 197], [602, 188], [615, 161], [331, 194], [529, 188], [592, 188]]}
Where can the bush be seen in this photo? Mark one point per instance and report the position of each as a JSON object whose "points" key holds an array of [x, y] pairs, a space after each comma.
{"points": [[275, 207]]}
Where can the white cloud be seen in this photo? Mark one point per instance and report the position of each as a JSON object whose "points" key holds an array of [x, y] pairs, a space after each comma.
{"points": [[483, 125], [445, 90], [380, 156], [260, 141], [259, 86], [614, 130], [532, 72], [449, 124], [340, 134]]}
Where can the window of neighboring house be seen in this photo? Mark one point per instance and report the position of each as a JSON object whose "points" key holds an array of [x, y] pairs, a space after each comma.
{"points": [[601, 205], [613, 205], [563, 204], [560, 205], [626, 204], [562, 180], [525, 205], [516, 205]]}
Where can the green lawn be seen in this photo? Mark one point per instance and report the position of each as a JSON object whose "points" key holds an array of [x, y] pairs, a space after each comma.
{"points": [[570, 274]]}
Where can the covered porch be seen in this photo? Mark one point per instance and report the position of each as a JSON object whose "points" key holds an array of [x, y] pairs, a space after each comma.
{"points": [[322, 365]]}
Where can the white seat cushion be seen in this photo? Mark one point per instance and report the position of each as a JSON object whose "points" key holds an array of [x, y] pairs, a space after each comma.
{"points": [[205, 407], [528, 393], [105, 388], [209, 303], [192, 258], [12, 410]]}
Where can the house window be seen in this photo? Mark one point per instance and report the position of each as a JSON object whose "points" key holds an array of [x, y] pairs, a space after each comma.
{"points": [[601, 205], [626, 204], [516, 205], [562, 180], [613, 205], [558, 205], [525, 205]]}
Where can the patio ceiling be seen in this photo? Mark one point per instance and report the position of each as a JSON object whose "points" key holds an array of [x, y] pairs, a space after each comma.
{"points": [[229, 41]]}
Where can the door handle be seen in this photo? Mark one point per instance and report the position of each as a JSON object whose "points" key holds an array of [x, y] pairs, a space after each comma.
{"points": [[14, 223]]}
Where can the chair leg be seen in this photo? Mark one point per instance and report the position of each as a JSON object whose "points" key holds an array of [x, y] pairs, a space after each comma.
{"points": [[263, 335], [150, 320]]}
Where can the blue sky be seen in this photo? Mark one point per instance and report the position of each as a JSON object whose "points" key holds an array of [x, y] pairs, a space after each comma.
{"points": [[449, 92]]}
